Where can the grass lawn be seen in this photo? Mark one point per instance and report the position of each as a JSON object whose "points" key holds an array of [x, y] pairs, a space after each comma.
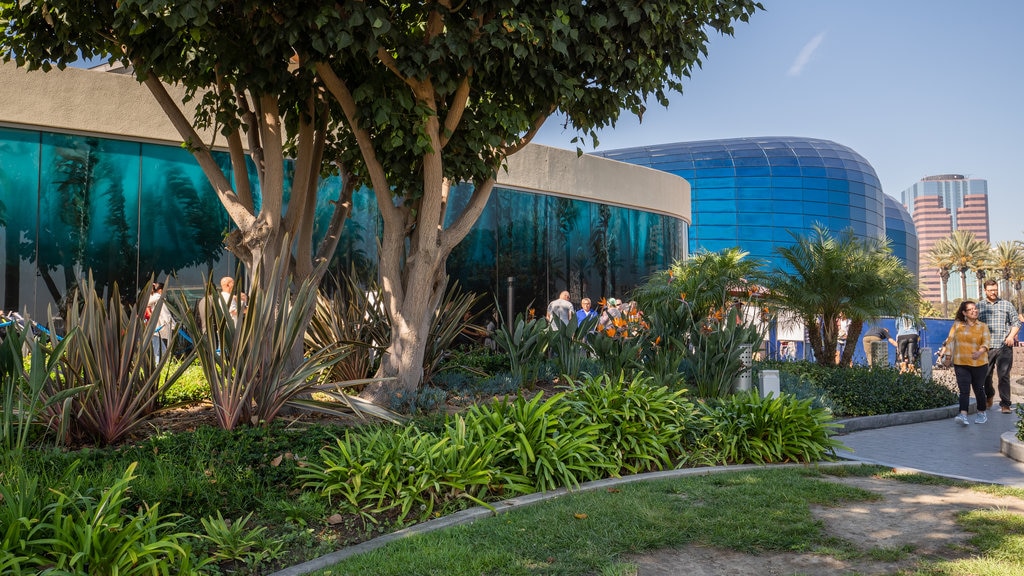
{"points": [[755, 512]]}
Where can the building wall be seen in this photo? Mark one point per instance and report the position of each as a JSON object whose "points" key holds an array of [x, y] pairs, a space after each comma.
{"points": [[92, 176], [756, 193], [941, 204]]}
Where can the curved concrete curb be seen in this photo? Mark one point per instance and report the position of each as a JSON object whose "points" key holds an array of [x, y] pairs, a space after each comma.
{"points": [[1010, 446], [473, 514], [898, 419]]}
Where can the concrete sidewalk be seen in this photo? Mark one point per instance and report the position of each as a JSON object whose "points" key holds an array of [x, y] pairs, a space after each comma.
{"points": [[942, 447]]}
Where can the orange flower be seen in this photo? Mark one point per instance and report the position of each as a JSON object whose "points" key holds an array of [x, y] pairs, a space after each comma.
{"points": [[603, 302], [619, 322], [682, 296], [657, 341], [610, 331]]}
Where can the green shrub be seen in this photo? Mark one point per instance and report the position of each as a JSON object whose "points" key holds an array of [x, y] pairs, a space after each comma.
{"points": [[89, 531], [745, 428], [477, 361], [859, 391], [404, 469], [420, 401], [643, 425], [546, 442]]}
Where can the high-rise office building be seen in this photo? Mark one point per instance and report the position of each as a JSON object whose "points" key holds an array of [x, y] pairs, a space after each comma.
{"points": [[939, 205]]}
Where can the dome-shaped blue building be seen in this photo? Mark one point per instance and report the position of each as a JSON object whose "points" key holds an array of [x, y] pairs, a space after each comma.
{"points": [[756, 193]]}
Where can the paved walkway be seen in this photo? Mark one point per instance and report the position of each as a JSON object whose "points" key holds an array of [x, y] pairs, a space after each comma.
{"points": [[942, 447]]}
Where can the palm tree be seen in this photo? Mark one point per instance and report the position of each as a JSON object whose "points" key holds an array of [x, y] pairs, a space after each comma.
{"points": [[941, 257], [1008, 261], [968, 253], [833, 276]]}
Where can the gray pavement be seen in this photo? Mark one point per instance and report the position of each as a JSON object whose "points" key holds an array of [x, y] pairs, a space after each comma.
{"points": [[943, 447]]}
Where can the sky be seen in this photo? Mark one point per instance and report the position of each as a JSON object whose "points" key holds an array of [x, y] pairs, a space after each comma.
{"points": [[917, 87]]}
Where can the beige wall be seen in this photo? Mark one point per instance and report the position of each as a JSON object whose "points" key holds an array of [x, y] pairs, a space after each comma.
{"points": [[116, 105]]}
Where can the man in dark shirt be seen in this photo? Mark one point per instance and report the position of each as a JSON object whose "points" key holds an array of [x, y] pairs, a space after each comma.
{"points": [[875, 334]]}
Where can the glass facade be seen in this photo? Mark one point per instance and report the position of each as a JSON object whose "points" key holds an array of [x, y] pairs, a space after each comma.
{"points": [[126, 210], [756, 192]]}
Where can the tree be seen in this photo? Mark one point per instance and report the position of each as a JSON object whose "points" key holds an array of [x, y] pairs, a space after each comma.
{"points": [[941, 257], [411, 98], [1007, 259], [968, 253], [833, 276]]}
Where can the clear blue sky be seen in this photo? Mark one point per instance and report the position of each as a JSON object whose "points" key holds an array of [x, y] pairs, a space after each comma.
{"points": [[917, 87]]}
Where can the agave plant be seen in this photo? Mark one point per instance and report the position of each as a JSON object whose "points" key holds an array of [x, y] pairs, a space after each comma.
{"points": [[111, 359]]}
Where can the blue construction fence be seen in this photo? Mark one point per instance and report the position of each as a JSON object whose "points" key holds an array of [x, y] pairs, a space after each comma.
{"points": [[931, 336]]}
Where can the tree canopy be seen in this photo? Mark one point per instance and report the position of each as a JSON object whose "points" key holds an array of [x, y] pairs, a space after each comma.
{"points": [[831, 276], [407, 98]]}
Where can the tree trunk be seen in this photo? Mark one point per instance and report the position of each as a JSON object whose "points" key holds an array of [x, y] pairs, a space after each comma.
{"points": [[410, 328], [852, 337]]}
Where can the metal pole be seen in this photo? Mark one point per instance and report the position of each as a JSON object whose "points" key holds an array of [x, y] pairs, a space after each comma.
{"points": [[511, 291]]}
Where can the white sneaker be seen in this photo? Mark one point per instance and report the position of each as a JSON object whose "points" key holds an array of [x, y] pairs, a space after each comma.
{"points": [[981, 418], [962, 419]]}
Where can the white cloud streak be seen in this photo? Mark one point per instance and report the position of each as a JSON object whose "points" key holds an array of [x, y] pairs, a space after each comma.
{"points": [[805, 55]]}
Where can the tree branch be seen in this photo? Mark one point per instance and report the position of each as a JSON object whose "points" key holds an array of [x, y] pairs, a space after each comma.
{"points": [[240, 214]]}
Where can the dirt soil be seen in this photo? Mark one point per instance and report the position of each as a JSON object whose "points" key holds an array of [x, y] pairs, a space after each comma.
{"points": [[920, 517]]}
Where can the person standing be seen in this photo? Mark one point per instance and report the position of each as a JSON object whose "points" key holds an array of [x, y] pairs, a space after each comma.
{"points": [[585, 311], [163, 321], [875, 334], [1003, 323], [562, 309], [968, 342], [906, 342]]}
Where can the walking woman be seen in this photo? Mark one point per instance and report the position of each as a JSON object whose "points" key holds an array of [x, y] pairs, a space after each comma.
{"points": [[968, 343]]}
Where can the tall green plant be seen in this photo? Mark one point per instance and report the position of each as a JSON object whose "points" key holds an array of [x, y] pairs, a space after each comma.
{"points": [[27, 396], [716, 354], [571, 346], [249, 360], [355, 319], [112, 358], [524, 345]]}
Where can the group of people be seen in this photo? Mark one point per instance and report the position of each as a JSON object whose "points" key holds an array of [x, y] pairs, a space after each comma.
{"points": [[981, 346], [163, 322], [561, 312]]}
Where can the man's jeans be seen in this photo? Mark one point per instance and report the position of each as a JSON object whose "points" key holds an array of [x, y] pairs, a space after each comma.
{"points": [[1000, 361]]}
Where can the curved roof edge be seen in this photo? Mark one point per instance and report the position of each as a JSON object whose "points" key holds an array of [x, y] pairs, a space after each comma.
{"points": [[558, 172], [118, 106]]}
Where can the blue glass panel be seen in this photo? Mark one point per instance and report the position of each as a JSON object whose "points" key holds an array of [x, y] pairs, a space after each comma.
{"points": [[782, 160], [838, 211], [787, 195], [756, 227], [706, 183], [717, 219], [716, 172], [19, 207], [712, 162], [753, 181], [720, 230], [756, 206], [832, 162], [711, 206], [814, 171], [840, 185], [786, 171], [753, 193], [752, 161], [786, 182], [783, 220], [815, 183], [816, 208]]}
